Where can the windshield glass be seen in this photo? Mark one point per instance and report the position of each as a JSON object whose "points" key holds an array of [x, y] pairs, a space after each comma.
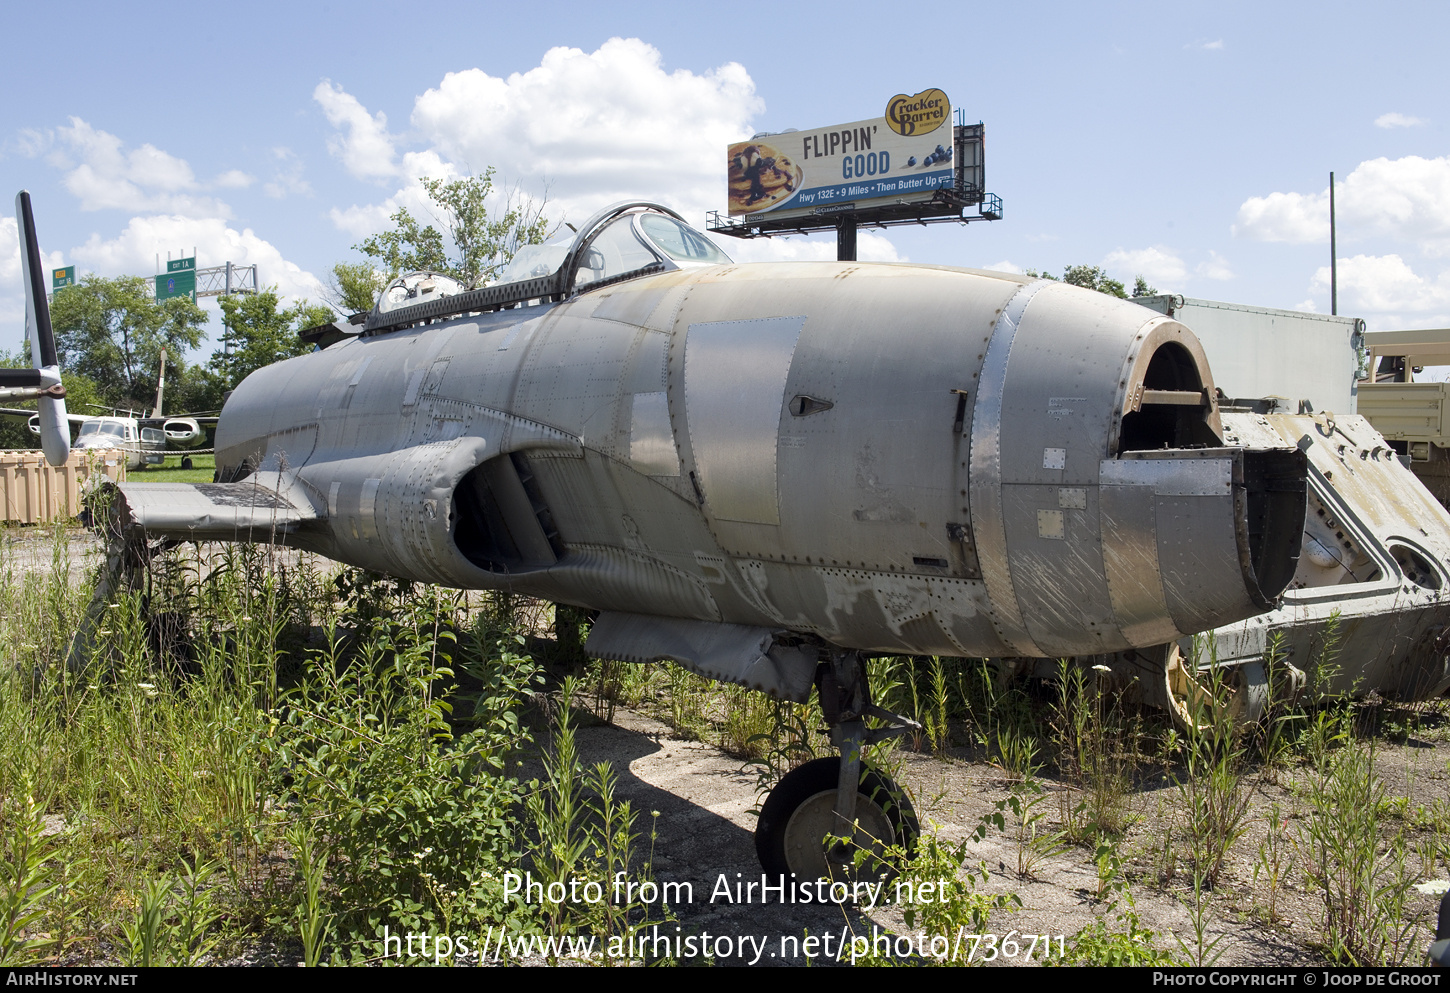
{"points": [[109, 429], [417, 287], [615, 250], [680, 242], [533, 261]]}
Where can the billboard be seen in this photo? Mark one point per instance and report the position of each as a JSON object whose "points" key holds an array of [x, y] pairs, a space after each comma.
{"points": [[901, 156]]}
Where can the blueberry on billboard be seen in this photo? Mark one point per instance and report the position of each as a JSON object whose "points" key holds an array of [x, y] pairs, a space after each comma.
{"points": [[904, 155]]}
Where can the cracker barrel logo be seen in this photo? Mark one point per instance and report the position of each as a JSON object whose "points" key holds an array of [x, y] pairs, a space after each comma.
{"points": [[924, 112]]}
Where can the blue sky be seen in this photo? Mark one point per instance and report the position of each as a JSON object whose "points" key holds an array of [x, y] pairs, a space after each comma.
{"points": [[1188, 142]]}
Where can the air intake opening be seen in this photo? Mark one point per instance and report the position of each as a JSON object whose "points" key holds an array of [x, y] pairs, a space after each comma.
{"points": [[498, 523]]}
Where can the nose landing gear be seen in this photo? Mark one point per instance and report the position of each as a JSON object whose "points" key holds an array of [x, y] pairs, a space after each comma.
{"points": [[838, 797]]}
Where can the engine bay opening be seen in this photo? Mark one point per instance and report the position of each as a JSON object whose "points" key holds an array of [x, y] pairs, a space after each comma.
{"points": [[1170, 407]]}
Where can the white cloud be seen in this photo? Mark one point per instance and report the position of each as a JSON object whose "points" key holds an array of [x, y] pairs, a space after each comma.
{"points": [[1385, 287], [1215, 268], [135, 250], [366, 149], [1005, 266], [587, 128], [1406, 198], [104, 175], [361, 220], [1397, 120], [10, 256], [288, 177], [32, 143], [1299, 218], [12, 287], [233, 179], [1157, 264], [1206, 46]]}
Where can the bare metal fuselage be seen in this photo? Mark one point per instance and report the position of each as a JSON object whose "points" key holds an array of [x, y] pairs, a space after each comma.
{"points": [[884, 457]]}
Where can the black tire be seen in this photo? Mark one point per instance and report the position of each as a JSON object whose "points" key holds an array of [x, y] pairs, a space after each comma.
{"points": [[186, 463], [806, 784]]}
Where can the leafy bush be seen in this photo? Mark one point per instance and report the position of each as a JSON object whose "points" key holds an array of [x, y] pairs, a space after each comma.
{"points": [[418, 820]]}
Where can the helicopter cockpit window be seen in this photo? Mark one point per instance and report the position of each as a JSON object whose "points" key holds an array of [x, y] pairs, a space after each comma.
{"points": [[680, 242], [614, 251]]}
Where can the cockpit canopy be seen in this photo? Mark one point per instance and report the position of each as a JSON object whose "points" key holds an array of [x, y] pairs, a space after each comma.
{"points": [[627, 242], [107, 430], [624, 240], [416, 287]]}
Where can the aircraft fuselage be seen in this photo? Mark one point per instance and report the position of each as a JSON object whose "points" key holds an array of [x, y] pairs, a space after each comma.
{"points": [[889, 457]]}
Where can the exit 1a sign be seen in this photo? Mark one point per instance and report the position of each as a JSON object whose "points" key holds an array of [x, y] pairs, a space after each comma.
{"points": [[179, 280], [61, 278]]}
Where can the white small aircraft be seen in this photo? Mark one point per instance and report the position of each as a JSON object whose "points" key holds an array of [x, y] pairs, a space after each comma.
{"points": [[145, 440]]}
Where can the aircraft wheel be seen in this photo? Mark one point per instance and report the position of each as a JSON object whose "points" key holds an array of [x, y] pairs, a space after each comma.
{"points": [[186, 463], [800, 813]]}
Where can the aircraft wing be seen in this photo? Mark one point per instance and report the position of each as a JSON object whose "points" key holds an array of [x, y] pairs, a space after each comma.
{"points": [[22, 412], [264, 504]]}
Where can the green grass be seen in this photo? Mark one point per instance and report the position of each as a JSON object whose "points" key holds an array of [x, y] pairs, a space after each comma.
{"points": [[202, 471]]}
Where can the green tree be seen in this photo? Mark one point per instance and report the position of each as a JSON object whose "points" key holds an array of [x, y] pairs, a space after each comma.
{"points": [[355, 286], [1093, 278], [111, 331], [1090, 277], [482, 244], [81, 397], [259, 331], [1141, 287]]}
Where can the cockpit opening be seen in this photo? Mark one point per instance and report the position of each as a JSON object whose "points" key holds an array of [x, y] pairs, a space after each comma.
{"points": [[642, 238], [622, 241]]}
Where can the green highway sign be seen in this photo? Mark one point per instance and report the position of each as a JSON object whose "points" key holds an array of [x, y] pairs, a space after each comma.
{"points": [[176, 284], [181, 265], [61, 278]]}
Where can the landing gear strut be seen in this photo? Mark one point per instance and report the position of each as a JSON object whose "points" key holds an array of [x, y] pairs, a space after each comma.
{"points": [[838, 797]]}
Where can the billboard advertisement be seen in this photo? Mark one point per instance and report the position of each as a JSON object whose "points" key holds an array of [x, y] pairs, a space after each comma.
{"points": [[904, 155]]}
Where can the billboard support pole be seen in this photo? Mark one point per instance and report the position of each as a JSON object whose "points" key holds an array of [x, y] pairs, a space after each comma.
{"points": [[846, 238]]}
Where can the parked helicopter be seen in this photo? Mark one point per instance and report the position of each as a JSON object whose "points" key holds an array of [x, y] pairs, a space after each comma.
{"points": [[765, 472]]}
